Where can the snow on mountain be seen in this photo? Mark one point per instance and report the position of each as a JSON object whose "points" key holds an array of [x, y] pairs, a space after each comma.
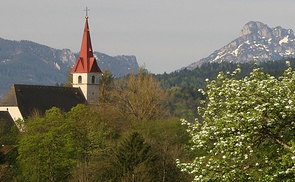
{"points": [[257, 41]]}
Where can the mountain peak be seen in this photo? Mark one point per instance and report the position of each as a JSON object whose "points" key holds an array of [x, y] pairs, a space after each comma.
{"points": [[256, 27], [263, 30], [281, 32], [257, 41]]}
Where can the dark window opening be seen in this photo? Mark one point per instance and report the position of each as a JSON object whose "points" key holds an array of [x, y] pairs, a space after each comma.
{"points": [[93, 79], [80, 79]]}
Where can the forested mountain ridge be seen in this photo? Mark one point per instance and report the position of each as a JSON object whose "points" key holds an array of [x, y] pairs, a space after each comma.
{"points": [[196, 78], [256, 41], [183, 85], [27, 62]]}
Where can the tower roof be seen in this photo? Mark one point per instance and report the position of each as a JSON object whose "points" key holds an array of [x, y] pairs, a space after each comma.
{"points": [[86, 63]]}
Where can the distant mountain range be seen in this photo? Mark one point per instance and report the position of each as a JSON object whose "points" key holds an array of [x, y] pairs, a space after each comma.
{"points": [[27, 62], [257, 41]]}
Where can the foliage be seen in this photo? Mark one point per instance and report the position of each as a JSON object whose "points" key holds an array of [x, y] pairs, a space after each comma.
{"points": [[140, 97], [106, 83], [248, 129], [46, 151], [196, 78], [53, 146], [168, 139], [182, 85], [89, 130], [8, 134], [183, 101], [90, 135], [133, 160], [8, 140], [69, 82]]}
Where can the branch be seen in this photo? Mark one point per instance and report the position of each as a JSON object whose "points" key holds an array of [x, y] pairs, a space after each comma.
{"points": [[276, 138]]}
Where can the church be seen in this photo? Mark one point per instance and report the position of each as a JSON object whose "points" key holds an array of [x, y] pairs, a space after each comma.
{"points": [[21, 101]]}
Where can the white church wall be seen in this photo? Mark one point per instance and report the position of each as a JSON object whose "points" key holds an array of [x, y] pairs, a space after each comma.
{"points": [[93, 93], [83, 84], [13, 111], [96, 76], [89, 89], [84, 78], [83, 88]]}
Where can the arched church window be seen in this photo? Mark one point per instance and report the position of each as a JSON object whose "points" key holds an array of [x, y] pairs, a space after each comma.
{"points": [[93, 79], [79, 79]]}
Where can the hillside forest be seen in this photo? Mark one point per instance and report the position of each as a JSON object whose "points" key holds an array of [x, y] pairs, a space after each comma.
{"points": [[218, 122]]}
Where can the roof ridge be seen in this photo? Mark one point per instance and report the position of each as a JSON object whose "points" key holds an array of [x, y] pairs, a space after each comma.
{"points": [[13, 86], [10, 98], [44, 86]]}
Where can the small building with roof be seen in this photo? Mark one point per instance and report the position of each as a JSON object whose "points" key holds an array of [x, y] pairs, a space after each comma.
{"points": [[21, 101]]}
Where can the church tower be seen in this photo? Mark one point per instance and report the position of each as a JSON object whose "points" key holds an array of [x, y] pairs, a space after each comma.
{"points": [[86, 72]]}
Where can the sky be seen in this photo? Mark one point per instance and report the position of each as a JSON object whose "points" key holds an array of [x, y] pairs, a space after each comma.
{"points": [[164, 35]]}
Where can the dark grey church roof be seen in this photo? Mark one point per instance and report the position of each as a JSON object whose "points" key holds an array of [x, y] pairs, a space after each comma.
{"points": [[6, 122], [31, 98]]}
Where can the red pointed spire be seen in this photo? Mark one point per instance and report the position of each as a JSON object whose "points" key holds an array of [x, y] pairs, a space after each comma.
{"points": [[86, 63]]}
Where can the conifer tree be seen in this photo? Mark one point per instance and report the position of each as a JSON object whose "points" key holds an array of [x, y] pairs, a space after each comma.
{"points": [[133, 160]]}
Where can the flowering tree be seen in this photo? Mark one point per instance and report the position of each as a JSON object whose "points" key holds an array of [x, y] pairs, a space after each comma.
{"points": [[247, 132]]}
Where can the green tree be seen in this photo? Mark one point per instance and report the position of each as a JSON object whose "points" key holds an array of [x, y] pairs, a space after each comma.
{"points": [[169, 140], [247, 131], [90, 135], [183, 101], [61, 146], [45, 151], [133, 160]]}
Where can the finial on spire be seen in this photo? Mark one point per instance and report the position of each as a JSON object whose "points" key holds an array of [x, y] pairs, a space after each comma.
{"points": [[86, 10]]}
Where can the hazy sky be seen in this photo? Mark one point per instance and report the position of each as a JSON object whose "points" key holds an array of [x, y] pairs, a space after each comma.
{"points": [[164, 35]]}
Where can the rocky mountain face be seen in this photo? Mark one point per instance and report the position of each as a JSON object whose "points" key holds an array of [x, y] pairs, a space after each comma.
{"points": [[118, 65], [27, 62], [256, 41]]}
